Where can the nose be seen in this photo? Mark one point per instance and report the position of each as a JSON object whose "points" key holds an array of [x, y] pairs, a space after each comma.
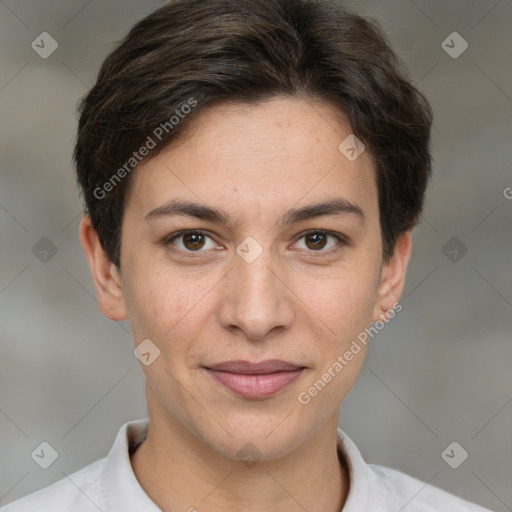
{"points": [[256, 298]]}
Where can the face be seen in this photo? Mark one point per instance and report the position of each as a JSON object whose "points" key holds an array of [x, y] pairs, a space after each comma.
{"points": [[279, 259]]}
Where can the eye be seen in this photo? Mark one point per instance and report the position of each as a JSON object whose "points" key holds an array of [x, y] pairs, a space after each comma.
{"points": [[317, 241], [191, 241], [197, 241]]}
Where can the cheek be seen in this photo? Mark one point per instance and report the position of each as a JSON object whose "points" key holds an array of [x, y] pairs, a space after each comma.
{"points": [[344, 301], [342, 307], [161, 304]]}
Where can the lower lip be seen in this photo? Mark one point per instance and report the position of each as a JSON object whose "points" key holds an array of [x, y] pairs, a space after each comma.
{"points": [[256, 386]]}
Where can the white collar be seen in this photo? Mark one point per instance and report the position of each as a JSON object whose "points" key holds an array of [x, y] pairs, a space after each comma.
{"points": [[119, 484]]}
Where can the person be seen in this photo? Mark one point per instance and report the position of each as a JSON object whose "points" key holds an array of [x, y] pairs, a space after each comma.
{"points": [[251, 172]]}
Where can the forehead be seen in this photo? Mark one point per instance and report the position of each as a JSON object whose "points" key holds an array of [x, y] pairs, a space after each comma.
{"points": [[257, 159]]}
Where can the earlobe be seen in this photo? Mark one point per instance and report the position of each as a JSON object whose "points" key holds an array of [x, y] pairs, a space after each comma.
{"points": [[105, 275], [393, 277]]}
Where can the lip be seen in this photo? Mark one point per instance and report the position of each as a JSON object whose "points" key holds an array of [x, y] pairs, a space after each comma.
{"points": [[255, 380]]}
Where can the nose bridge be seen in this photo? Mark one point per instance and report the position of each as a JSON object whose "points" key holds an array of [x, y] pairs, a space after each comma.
{"points": [[257, 301]]}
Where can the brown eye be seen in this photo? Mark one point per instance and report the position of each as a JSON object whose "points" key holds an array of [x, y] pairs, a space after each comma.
{"points": [[322, 242], [316, 241], [190, 241], [193, 241]]}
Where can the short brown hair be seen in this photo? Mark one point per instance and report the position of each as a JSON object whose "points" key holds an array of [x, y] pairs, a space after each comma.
{"points": [[202, 52]]}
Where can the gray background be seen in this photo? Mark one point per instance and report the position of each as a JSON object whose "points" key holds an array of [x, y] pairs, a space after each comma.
{"points": [[439, 372]]}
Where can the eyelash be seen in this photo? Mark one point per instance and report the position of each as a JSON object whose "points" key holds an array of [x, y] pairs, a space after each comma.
{"points": [[342, 241]]}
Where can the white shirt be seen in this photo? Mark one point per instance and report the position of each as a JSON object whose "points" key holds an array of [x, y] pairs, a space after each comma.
{"points": [[110, 485]]}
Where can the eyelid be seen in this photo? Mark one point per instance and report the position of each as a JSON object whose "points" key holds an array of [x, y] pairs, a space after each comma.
{"points": [[177, 234]]}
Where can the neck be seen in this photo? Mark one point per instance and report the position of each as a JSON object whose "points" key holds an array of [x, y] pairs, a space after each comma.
{"points": [[180, 472]]}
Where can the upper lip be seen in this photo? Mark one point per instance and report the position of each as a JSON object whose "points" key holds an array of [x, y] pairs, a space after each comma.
{"points": [[248, 368]]}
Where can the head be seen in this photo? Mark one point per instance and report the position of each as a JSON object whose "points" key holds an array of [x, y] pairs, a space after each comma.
{"points": [[283, 138]]}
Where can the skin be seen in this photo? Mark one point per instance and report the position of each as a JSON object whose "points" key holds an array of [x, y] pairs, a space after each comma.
{"points": [[298, 302]]}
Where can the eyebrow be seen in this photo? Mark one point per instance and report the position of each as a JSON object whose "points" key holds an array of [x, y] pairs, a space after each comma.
{"points": [[336, 206]]}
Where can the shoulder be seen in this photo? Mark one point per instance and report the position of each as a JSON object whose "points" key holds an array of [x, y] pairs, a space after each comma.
{"points": [[79, 491], [109, 480], [417, 496], [375, 487]]}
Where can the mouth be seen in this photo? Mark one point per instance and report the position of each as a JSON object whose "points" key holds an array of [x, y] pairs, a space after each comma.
{"points": [[255, 380]]}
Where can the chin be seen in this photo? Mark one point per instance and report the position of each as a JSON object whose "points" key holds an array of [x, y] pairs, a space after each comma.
{"points": [[253, 437]]}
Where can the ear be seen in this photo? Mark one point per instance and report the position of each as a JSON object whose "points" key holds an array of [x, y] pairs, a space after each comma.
{"points": [[105, 274], [392, 279]]}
